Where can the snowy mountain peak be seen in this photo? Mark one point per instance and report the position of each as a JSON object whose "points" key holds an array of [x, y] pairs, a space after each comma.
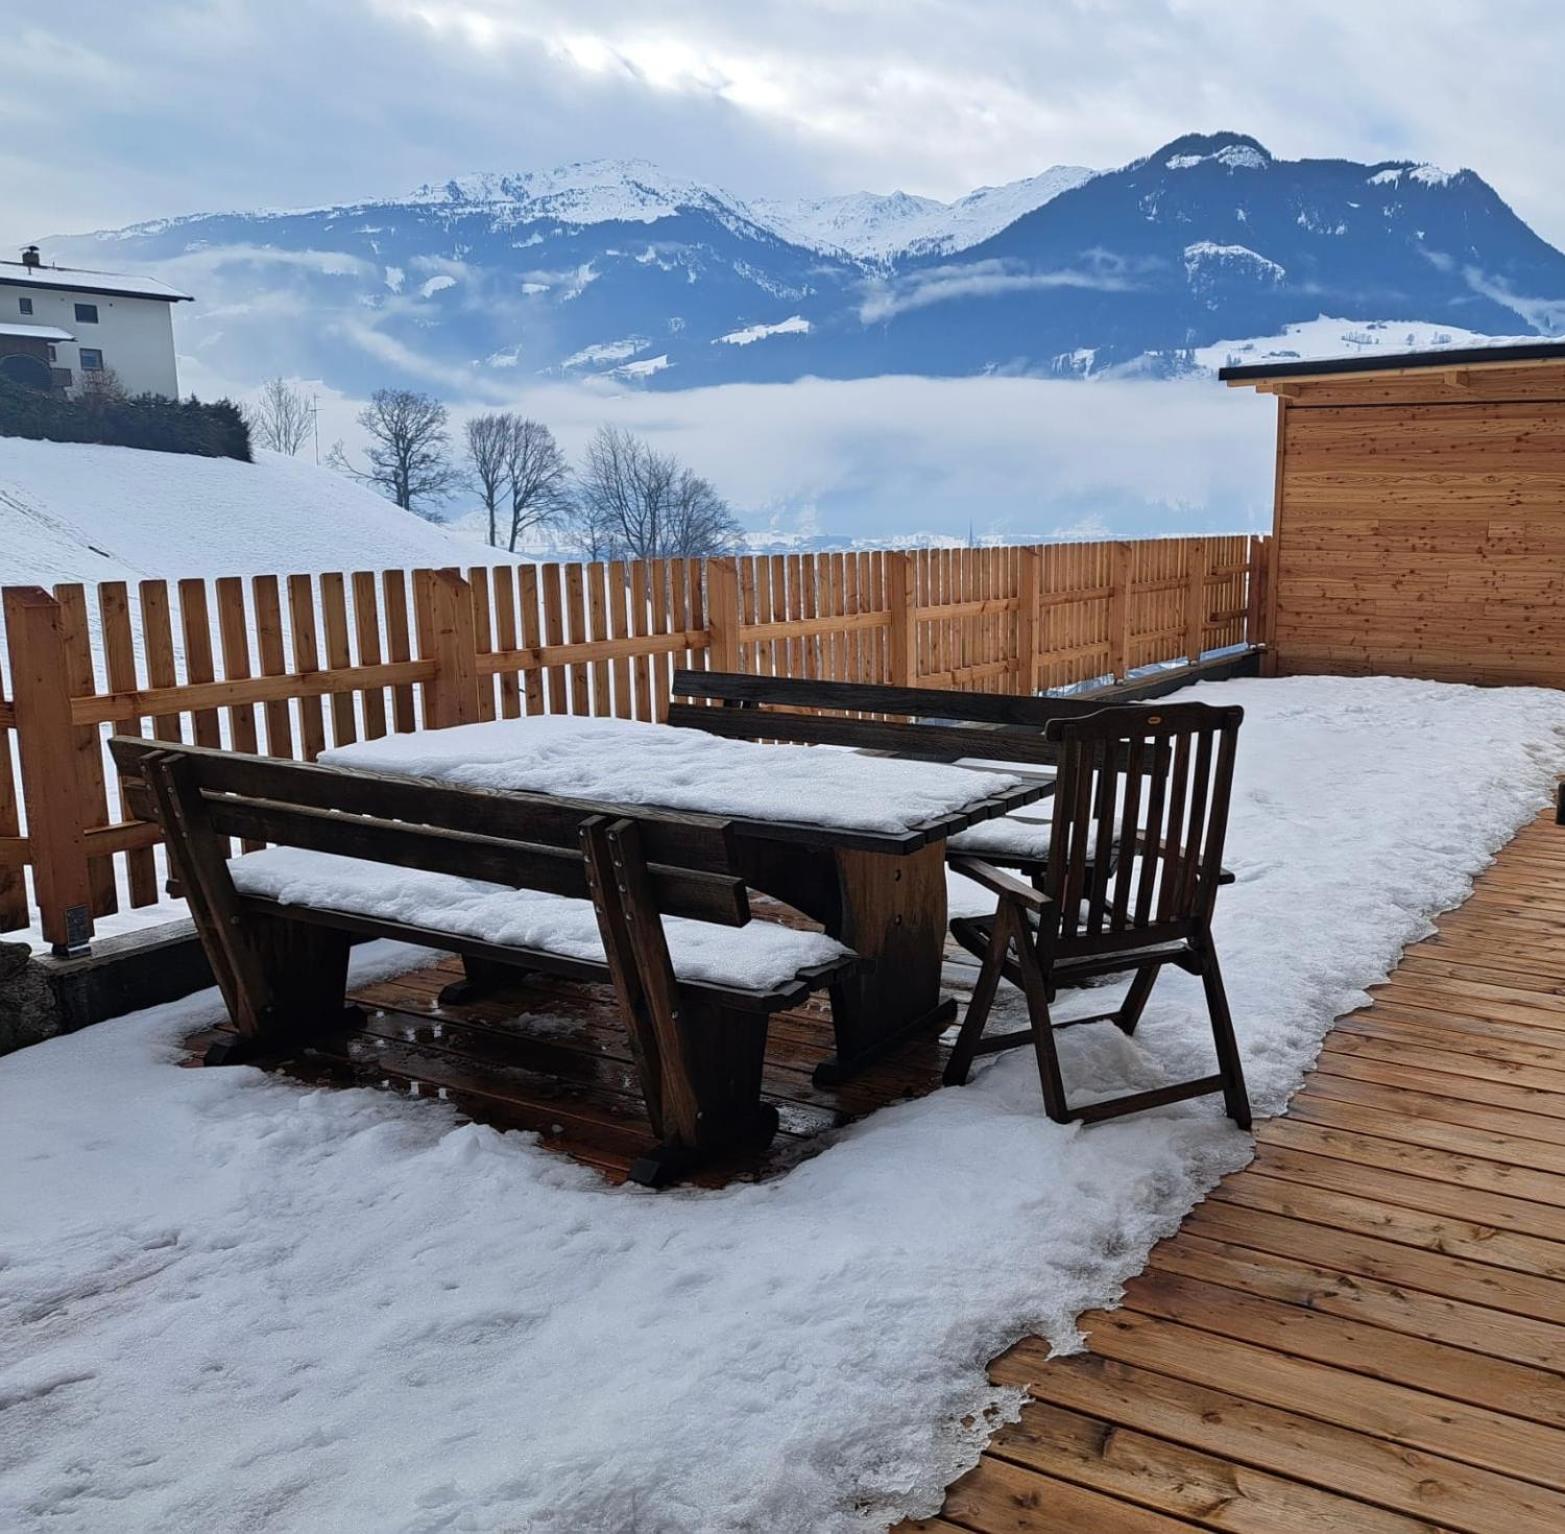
{"points": [[586, 192], [1232, 151], [880, 227]]}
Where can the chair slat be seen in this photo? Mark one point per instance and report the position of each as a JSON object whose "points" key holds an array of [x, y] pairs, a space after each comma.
{"points": [[1130, 811], [1169, 854]]}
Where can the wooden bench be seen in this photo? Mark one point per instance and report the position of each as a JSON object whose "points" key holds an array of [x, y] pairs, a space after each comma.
{"points": [[577, 889], [928, 724]]}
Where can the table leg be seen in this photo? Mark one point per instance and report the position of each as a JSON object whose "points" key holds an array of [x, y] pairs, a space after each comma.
{"points": [[891, 910]]}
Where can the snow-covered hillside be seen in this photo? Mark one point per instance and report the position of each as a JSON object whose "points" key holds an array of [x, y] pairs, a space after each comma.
{"points": [[76, 512]]}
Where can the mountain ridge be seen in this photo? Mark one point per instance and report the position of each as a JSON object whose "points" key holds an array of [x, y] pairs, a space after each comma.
{"points": [[618, 271]]}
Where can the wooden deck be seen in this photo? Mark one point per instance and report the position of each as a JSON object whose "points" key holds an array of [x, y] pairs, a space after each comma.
{"points": [[552, 1056], [1364, 1330]]}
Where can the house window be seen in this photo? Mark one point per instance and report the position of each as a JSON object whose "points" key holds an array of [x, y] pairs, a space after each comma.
{"points": [[26, 305], [91, 359], [86, 314]]}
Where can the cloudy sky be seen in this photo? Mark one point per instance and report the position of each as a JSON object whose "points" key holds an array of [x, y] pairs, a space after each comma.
{"points": [[112, 112]]}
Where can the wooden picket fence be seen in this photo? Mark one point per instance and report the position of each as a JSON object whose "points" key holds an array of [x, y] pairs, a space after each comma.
{"points": [[290, 664]]}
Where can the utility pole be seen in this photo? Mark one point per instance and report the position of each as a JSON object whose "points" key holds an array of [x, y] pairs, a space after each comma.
{"points": [[315, 425]]}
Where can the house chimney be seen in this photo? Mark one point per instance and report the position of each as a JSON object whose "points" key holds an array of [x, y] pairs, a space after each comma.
{"points": [[30, 256]]}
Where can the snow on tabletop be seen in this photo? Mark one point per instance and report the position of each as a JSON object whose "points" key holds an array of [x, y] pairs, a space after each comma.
{"points": [[230, 1302], [621, 761], [760, 956]]}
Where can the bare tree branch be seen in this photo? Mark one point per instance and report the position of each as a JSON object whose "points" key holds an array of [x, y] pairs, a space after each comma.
{"points": [[539, 479], [488, 442], [281, 418], [636, 503], [409, 449]]}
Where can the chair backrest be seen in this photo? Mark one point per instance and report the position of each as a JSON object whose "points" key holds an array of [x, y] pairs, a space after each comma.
{"points": [[1140, 817], [527, 841]]}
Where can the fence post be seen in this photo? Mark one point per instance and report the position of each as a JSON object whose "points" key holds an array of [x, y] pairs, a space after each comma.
{"points": [[1029, 614], [900, 597], [722, 612], [448, 636], [1195, 600], [41, 696], [1120, 569]]}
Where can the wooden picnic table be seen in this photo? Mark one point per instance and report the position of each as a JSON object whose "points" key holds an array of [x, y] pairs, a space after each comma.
{"points": [[855, 842]]}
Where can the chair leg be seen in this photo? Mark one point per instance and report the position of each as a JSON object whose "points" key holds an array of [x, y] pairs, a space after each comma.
{"points": [[1135, 1002], [1235, 1098], [980, 1004], [1037, 994]]}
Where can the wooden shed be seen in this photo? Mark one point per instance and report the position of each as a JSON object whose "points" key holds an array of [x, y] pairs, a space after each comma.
{"points": [[1419, 515]]}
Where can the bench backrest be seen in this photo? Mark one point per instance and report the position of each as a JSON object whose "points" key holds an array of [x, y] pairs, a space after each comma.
{"points": [[738, 690], [526, 841], [992, 726], [1154, 783]]}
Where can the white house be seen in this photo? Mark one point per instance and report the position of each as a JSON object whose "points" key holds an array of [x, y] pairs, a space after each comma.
{"points": [[60, 325]]}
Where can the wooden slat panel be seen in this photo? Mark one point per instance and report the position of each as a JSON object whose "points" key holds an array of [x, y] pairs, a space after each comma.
{"points": [[92, 793], [394, 593], [119, 656], [234, 642], [505, 637], [366, 628], [334, 613], [306, 658], [274, 662]]}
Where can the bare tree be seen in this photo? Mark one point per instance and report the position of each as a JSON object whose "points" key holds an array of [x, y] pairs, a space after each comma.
{"points": [[409, 449], [637, 503], [281, 417], [488, 441], [539, 479]]}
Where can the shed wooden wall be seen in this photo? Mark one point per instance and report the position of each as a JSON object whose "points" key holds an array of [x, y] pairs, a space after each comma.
{"points": [[1420, 524]]}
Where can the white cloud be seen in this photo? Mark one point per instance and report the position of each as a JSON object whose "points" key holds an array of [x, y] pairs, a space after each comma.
{"points": [[975, 279], [227, 104]]}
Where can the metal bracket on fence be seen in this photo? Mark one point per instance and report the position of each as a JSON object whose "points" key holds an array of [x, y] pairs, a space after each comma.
{"points": [[78, 934]]}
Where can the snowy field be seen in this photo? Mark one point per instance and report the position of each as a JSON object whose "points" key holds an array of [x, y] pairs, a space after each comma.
{"points": [[74, 511], [228, 1303]]}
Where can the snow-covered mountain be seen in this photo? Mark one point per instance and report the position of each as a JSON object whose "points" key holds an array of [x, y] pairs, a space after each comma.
{"points": [[617, 271]]}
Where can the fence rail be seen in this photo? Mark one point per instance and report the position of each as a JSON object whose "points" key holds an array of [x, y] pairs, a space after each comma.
{"points": [[286, 664]]}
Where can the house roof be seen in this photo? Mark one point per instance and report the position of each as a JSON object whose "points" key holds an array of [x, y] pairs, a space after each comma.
{"points": [[1397, 362], [37, 332], [80, 280]]}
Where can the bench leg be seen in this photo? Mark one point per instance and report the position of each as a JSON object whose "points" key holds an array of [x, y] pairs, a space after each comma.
{"points": [[716, 1109], [303, 973], [480, 978]]}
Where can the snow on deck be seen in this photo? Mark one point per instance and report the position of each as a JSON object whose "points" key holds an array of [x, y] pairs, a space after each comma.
{"points": [[229, 1302]]}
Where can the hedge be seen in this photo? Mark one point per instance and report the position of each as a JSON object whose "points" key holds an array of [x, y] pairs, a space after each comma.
{"points": [[144, 420]]}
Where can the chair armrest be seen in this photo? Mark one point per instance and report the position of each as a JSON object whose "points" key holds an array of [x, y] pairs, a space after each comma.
{"points": [[998, 882]]}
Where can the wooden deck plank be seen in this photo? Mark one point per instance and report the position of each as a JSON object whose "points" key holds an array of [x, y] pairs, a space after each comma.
{"points": [[1365, 1328], [1374, 1472]]}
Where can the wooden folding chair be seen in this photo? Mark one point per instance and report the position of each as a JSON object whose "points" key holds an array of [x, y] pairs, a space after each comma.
{"points": [[1155, 781]]}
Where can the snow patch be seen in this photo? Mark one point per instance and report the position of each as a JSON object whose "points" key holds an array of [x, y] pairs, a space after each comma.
{"points": [[794, 325], [606, 351], [1233, 157], [1204, 255]]}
